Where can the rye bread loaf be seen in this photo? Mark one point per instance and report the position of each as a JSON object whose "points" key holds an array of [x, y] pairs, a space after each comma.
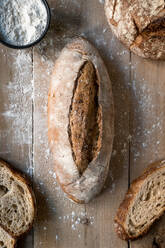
{"points": [[17, 205], [139, 24], [80, 120], [143, 204]]}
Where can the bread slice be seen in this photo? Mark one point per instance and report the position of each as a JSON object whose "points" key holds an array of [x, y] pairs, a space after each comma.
{"points": [[17, 208], [6, 240], [143, 203]]}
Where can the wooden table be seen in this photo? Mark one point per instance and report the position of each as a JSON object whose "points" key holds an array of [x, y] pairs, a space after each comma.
{"points": [[139, 96]]}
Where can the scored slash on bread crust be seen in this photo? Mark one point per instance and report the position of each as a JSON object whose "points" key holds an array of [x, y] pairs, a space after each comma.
{"points": [[127, 207], [80, 186], [17, 203], [139, 24], [84, 130]]}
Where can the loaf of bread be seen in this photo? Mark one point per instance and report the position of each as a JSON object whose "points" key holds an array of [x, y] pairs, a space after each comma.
{"points": [[139, 24], [143, 203], [80, 120], [17, 206]]}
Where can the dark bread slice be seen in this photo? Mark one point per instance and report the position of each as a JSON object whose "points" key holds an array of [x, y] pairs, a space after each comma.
{"points": [[143, 203], [17, 202], [6, 240]]}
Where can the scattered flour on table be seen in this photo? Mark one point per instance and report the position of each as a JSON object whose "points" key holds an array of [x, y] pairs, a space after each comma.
{"points": [[77, 219], [16, 109], [47, 176], [101, 1], [147, 131]]}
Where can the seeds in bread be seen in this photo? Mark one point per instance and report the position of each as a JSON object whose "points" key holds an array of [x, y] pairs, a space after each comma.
{"points": [[139, 24], [6, 240], [16, 202], [80, 120], [143, 203]]}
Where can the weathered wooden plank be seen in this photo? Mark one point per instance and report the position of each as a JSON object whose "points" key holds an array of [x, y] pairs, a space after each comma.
{"points": [[16, 112], [139, 108], [116, 58], [60, 222], [57, 216], [147, 126]]}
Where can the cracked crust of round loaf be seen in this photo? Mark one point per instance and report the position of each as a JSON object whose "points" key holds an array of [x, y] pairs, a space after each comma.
{"points": [[129, 21]]}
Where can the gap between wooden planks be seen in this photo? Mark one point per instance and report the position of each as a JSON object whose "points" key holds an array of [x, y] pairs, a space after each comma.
{"points": [[58, 224]]}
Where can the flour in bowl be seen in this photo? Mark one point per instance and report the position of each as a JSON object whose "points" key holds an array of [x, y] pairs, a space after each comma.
{"points": [[22, 21]]}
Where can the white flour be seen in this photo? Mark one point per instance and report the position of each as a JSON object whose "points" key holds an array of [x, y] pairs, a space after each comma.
{"points": [[22, 21]]}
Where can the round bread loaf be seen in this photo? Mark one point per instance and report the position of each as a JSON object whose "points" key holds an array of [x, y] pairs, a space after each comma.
{"points": [[139, 24]]}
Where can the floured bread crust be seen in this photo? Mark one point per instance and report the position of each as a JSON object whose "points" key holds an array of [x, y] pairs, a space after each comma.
{"points": [[139, 25], [80, 177]]}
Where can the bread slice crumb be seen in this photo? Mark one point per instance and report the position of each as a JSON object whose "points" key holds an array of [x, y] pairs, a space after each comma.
{"points": [[17, 204], [143, 203], [6, 240]]}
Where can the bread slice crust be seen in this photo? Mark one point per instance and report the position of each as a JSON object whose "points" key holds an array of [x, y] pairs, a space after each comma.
{"points": [[79, 187], [129, 198]]}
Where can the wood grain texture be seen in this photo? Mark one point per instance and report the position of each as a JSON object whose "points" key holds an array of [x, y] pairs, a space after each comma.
{"points": [[138, 88], [147, 130], [65, 224], [16, 113], [56, 215]]}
